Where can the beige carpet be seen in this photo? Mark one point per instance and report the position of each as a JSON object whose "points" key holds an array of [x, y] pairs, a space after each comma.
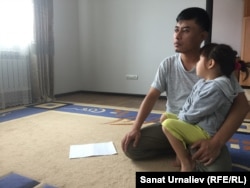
{"points": [[37, 146]]}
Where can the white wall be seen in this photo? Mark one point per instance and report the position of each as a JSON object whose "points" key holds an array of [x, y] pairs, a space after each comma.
{"points": [[120, 37], [227, 22], [67, 58], [98, 42]]}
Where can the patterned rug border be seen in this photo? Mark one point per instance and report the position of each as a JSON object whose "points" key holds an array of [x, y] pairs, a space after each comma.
{"points": [[12, 114], [60, 105]]}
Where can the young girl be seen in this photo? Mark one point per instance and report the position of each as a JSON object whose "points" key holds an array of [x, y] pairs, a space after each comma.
{"points": [[207, 105]]}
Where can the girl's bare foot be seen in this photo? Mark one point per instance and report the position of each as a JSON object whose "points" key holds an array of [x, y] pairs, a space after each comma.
{"points": [[188, 167]]}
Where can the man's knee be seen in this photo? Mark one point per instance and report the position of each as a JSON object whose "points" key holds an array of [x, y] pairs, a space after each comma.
{"points": [[133, 153]]}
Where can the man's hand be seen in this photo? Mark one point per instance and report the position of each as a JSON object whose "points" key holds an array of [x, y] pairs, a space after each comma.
{"points": [[134, 136], [206, 151]]}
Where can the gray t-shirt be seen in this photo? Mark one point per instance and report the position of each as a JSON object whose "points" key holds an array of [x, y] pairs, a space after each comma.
{"points": [[172, 78]]}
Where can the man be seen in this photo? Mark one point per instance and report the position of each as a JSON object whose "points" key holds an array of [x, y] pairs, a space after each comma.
{"points": [[176, 76]]}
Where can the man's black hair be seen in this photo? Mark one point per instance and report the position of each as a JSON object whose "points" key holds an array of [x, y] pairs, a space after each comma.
{"points": [[198, 14]]}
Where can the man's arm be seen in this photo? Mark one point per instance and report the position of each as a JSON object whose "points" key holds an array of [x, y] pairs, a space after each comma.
{"points": [[209, 150], [237, 114], [144, 110], [146, 107]]}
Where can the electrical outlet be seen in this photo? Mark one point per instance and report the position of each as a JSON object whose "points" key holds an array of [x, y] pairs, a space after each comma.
{"points": [[131, 77]]}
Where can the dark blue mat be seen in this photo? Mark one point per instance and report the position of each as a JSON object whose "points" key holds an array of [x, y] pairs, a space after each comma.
{"points": [[17, 181], [107, 112], [48, 186], [14, 180]]}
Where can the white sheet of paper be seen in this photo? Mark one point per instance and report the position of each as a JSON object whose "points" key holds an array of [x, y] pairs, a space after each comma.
{"points": [[94, 149]]}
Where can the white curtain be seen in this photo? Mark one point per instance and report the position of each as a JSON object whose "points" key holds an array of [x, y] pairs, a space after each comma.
{"points": [[43, 56], [16, 39]]}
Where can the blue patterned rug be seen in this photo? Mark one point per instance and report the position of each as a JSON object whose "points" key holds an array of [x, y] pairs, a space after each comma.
{"points": [[239, 148]]}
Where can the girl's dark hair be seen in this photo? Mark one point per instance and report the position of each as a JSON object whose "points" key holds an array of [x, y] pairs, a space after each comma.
{"points": [[226, 57], [198, 14]]}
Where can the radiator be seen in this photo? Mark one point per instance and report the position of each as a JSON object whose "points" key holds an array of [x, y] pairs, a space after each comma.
{"points": [[15, 86]]}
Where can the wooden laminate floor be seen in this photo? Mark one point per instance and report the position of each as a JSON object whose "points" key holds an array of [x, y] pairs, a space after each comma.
{"points": [[131, 101]]}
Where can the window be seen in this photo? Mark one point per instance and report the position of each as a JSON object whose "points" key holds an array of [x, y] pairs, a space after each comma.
{"points": [[16, 19]]}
